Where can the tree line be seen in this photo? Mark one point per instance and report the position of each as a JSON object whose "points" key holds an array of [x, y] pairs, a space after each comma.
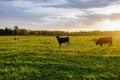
{"points": [[25, 32]]}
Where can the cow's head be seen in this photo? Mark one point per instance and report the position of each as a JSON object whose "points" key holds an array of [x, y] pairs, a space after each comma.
{"points": [[97, 43]]}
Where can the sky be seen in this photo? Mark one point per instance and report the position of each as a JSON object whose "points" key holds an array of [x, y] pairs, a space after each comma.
{"points": [[65, 15]]}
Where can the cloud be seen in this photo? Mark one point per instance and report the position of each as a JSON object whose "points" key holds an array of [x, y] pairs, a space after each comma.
{"points": [[91, 20], [94, 19], [57, 14], [84, 4], [36, 1], [20, 11], [114, 16]]}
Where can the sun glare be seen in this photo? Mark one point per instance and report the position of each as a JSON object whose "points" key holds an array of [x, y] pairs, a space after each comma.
{"points": [[110, 25]]}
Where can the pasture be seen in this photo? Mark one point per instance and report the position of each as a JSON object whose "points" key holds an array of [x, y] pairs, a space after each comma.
{"points": [[41, 58]]}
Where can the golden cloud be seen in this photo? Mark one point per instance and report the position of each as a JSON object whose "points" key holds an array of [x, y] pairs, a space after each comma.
{"points": [[114, 16]]}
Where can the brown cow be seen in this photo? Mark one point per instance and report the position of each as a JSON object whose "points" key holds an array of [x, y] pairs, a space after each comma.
{"points": [[104, 40]]}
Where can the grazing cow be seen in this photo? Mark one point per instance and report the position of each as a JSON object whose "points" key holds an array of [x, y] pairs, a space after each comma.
{"points": [[104, 40], [16, 37], [62, 40]]}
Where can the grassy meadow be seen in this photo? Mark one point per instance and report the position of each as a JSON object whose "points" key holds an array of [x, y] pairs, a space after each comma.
{"points": [[40, 58]]}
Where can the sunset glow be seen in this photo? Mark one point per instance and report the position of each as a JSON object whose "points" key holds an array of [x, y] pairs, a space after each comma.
{"points": [[65, 15], [110, 25]]}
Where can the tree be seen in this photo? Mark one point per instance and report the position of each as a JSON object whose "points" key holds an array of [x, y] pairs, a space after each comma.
{"points": [[2, 32], [24, 32], [8, 31], [35, 33], [16, 30]]}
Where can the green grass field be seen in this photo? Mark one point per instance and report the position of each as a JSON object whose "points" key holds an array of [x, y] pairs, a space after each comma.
{"points": [[40, 58]]}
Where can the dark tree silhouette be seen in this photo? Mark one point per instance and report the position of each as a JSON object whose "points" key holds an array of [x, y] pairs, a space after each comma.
{"points": [[16, 30]]}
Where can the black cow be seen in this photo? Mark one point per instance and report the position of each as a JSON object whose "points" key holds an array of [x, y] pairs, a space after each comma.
{"points": [[104, 40], [62, 40]]}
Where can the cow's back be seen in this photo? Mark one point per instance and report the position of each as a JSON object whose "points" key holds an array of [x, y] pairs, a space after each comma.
{"points": [[105, 40]]}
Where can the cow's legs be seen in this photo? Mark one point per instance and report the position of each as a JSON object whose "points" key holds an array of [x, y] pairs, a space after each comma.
{"points": [[59, 44], [111, 43], [101, 44], [68, 42]]}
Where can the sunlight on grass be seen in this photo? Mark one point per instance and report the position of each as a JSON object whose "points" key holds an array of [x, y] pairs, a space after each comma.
{"points": [[41, 58]]}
